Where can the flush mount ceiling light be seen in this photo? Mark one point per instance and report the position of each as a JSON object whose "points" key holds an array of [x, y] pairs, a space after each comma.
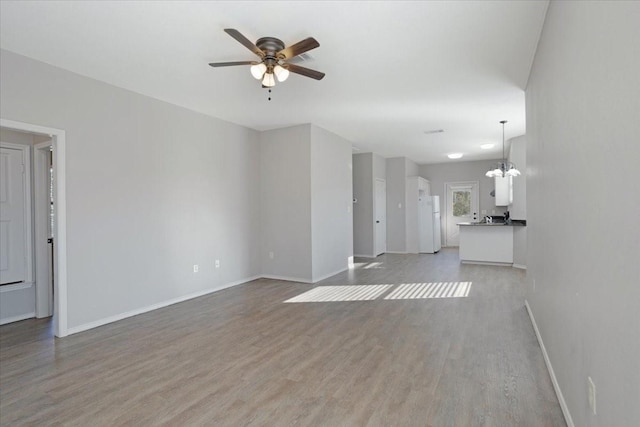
{"points": [[487, 146], [455, 155], [503, 168], [274, 58]]}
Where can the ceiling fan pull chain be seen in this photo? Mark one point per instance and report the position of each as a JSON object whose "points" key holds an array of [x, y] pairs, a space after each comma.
{"points": [[269, 94]]}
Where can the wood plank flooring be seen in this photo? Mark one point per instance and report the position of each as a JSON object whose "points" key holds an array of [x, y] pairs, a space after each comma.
{"points": [[242, 357]]}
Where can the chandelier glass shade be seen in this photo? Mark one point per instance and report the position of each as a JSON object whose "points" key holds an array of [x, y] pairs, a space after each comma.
{"points": [[257, 70], [269, 72], [281, 73], [503, 168], [268, 80]]}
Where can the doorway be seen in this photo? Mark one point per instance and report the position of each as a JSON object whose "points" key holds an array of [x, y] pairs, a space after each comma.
{"points": [[59, 264], [461, 205], [44, 209], [380, 216]]}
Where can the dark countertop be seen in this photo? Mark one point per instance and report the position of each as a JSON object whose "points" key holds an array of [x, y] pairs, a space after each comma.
{"points": [[514, 223]]}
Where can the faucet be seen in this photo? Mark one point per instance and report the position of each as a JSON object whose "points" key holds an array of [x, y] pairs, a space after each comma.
{"points": [[507, 220]]}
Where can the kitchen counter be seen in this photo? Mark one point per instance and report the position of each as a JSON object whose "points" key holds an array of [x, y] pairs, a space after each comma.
{"points": [[514, 223], [482, 243]]}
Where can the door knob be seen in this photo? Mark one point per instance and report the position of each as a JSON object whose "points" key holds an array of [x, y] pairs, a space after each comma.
{"points": [[377, 222]]}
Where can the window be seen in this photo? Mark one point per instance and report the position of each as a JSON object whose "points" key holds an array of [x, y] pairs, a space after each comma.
{"points": [[461, 202]]}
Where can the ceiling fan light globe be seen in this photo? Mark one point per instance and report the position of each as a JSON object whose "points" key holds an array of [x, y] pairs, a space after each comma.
{"points": [[268, 80], [257, 70], [281, 73]]}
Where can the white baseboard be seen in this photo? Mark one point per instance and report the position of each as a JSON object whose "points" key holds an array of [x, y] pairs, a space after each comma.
{"points": [[285, 278], [15, 287], [396, 252], [499, 264], [17, 318], [520, 266], [326, 276], [152, 307], [554, 380], [364, 256]]}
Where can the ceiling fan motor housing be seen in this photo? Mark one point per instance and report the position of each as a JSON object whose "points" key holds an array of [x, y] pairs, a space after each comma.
{"points": [[270, 46]]}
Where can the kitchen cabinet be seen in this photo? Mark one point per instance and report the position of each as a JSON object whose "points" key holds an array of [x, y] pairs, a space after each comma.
{"points": [[492, 244], [504, 190]]}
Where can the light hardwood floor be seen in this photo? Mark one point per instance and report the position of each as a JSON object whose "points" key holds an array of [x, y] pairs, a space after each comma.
{"points": [[242, 357]]}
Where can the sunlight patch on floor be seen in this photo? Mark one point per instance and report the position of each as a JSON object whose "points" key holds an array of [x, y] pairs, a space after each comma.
{"points": [[431, 290], [341, 293]]}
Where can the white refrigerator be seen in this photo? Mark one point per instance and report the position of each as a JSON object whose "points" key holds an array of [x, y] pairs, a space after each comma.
{"points": [[429, 224]]}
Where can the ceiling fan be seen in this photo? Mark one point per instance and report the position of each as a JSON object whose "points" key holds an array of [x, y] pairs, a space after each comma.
{"points": [[274, 57]]}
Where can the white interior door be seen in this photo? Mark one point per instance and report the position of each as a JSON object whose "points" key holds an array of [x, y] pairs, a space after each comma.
{"points": [[380, 215], [461, 205], [12, 217]]}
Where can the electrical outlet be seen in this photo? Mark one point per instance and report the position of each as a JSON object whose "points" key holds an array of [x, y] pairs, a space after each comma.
{"points": [[217, 263], [399, 205], [196, 268], [483, 212], [271, 255], [592, 395]]}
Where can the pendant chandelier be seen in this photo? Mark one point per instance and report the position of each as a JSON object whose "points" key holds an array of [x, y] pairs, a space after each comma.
{"points": [[503, 168]]}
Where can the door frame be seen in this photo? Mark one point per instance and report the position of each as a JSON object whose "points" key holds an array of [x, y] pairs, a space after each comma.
{"points": [[447, 185], [28, 217], [58, 142], [375, 215], [44, 296]]}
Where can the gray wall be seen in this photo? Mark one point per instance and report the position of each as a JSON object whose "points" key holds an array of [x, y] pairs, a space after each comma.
{"points": [[396, 220], [285, 158], [363, 188], [331, 203], [397, 170], [305, 202], [411, 168], [379, 167], [518, 208], [440, 173], [518, 155], [583, 129], [152, 189]]}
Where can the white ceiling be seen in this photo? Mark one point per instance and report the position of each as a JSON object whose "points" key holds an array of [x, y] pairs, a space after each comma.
{"points": [[393, 69]]}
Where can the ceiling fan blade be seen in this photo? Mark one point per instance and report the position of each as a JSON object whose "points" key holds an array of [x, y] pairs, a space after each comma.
{"points": [[244, 41], [298, 48], [229, 64], [307, 72]]}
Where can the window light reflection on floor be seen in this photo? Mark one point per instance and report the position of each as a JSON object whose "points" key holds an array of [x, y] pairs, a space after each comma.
{"points": [[430, 290], [373, 265], [341, 293], [371, 292]]}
